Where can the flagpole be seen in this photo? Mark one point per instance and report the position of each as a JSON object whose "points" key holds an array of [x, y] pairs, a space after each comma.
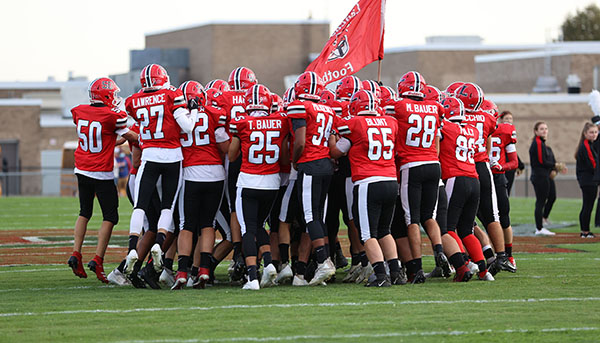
{"points": [[379, 72]]}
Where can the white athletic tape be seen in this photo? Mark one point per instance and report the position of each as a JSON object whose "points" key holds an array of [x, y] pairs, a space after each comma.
{"points": [[351, 304], [367, 335]]}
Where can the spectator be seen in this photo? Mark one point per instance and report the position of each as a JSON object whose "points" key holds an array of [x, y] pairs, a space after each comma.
{"points": [[587, 158], [123, 164], [543, 164]]}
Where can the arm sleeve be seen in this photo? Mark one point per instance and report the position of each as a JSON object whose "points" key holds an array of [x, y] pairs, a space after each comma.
{"points": [[512, 160], [298, 123], [185, 123], [221, 135], [343, 145]]}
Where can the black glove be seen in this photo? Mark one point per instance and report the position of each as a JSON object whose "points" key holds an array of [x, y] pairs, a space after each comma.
{"points": [[193, 103]]}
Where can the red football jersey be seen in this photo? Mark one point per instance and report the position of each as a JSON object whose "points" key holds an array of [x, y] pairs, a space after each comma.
{"points": [[261, 141], [286, 167], [135, 128], [373, 141], [154, 112], [319, 121], [234, 104], [200, 146], [457, 150], [418, 126], [96, 128], [502, 138], [485, 124]]}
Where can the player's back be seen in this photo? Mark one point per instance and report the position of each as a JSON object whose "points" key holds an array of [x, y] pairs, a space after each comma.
{"points": [[418, 124], [96, 126], [504, 135], [319, 120], [200, 146], [154, 111], [485, 124], [457, 149], [373, 145]]}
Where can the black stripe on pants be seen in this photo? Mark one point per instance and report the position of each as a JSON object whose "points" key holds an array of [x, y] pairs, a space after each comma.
{"points": [[312, 192]]}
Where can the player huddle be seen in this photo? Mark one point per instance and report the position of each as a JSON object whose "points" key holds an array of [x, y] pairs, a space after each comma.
{"points": [[234, 157]]}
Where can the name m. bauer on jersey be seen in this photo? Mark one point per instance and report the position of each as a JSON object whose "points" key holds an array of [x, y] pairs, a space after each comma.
{"points": [[421, 108], [149, 100], [264, 124]]}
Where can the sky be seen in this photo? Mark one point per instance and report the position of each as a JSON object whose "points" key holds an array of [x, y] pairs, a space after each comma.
{"points": [[93, 38]]}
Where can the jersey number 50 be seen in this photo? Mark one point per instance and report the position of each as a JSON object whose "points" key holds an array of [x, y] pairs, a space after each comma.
{"points": [[93, 141]]}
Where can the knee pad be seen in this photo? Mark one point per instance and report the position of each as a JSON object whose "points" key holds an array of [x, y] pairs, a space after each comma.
{"points": [[165, 221]]}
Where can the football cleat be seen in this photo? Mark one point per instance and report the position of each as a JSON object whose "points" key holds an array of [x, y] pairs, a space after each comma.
{"points": [[191, 280], [494, 267], [418, 277], [473, 267], [463, 274], [203, 277], [97, 267], [76, 265], [150, 276], [398, 278], [130, 261], [239, 271], [324, 271], [268, 276], [285, 274], [299, 281], [136, 281], [251, 285], [353, 273], [180, 280], [442, 261], [340, 260], [156, 253], [436, 272], [365, 272], [504, 264], [486, 276], [383, 281], [167, 278], [118, 278], [512, 261]]}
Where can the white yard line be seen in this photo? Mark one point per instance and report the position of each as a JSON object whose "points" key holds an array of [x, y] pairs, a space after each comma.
{"points": [[345, 304], [367, 335]]}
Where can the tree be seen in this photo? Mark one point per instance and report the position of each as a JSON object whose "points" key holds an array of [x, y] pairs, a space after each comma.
{"points": [[584, 25]]}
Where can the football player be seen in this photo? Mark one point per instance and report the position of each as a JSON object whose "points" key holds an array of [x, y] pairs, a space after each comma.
{"points": [[472, 97], [312, 123], [161, 112], [418, 124], [457, 147], [261, 139], [204, 181], [240, 80], [98, 125], [503, 157], [369, 141]]}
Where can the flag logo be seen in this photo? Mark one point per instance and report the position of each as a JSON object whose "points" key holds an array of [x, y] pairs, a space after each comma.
{"points": [[339, 51]]}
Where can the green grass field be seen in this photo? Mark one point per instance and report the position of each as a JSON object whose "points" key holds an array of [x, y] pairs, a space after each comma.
{"points": [[552, 298]]}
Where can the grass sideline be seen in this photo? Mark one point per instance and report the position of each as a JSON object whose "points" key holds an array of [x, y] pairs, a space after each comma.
{"points": [[552, 298]]}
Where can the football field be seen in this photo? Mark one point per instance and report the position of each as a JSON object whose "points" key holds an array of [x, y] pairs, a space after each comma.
{"points": [[553, 297]]}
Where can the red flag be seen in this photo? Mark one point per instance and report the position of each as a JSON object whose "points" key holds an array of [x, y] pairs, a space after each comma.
{"points": [[356, 42]]}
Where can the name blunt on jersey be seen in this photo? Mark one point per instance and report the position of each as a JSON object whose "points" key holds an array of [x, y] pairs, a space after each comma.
{"points": [[412, 107], [264, 124], [149, 100], [376, 121]]}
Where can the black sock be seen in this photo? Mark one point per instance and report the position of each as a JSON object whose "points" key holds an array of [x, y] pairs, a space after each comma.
{"points": [[394, 265], [438, 248], [137, 266], [418, 264], [133, 240], [364, 260], [508, 250], [488, 253], [168, 263], [338, 247], [205, 260], [194, 271], [502, 255], [411, 267], [183, 263], [213, 262], [321, 254], [457, 260], [121, 266], [481, 265], [252, 272], [327, 251], [284, 254], [300, 268], [379, 268], [355, 259], [160, 239], [267, 258]]}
